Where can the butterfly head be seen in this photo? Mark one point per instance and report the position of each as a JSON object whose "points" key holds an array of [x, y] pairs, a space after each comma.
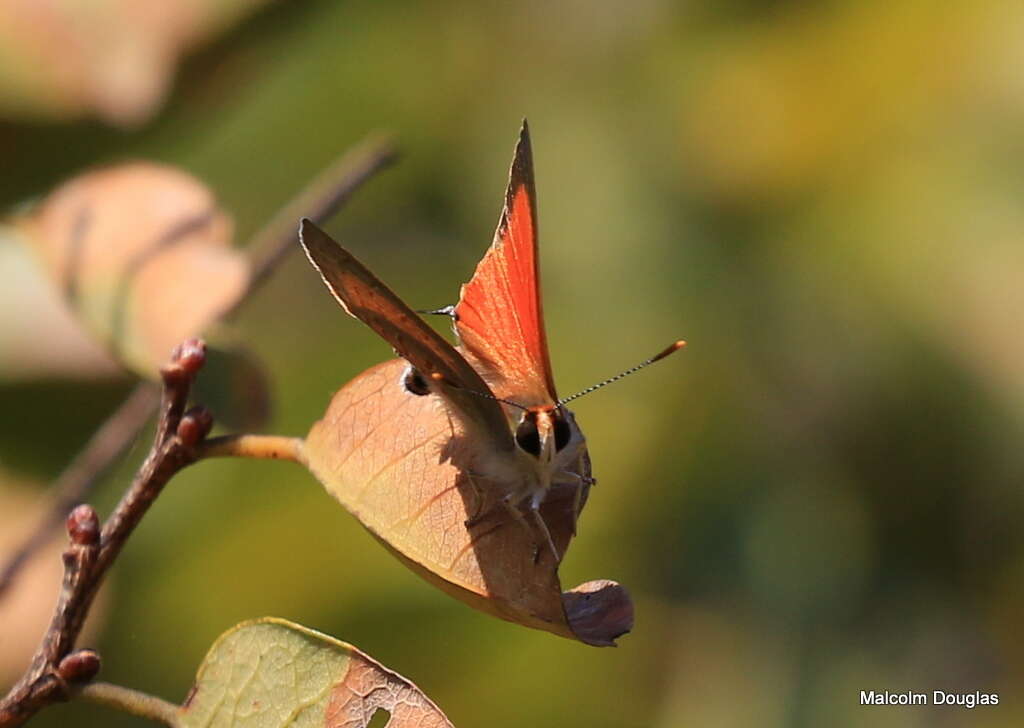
{"points": [[544, 432]]}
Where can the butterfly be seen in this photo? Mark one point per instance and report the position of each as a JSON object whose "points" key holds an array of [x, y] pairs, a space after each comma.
{"points": [[517, 440]]}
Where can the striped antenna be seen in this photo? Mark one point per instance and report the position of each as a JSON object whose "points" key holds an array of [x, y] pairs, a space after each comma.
{"points": [[443, 311], [676, 346], [440, 379]]}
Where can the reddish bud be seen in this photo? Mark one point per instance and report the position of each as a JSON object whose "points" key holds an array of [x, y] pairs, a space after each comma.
{"points": [[83, 525], [189, 356], [79, 666], [195, 425]]}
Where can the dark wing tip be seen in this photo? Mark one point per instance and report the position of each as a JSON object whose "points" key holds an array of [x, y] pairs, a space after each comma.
{"points": [[321, 249], [315, 242], [306, 230], [522, 160], [330, 260], [521, 173]]}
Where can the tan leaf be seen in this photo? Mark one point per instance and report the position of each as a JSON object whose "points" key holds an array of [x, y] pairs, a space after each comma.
{"points": [[39, 335], [142, 253], [270, 672], [397, 462], [113, 58]]}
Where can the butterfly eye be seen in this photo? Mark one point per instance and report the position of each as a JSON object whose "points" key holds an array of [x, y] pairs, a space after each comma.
{"points": [[414, 382], [563, 433], [527, 436]]}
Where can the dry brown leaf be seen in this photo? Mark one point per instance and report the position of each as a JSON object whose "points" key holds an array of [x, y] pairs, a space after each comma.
{"points": [[396, 463], [271, 673], [142, 253]]}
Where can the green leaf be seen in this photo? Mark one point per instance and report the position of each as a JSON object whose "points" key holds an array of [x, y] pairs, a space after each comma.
{"points": [[269, 672]]}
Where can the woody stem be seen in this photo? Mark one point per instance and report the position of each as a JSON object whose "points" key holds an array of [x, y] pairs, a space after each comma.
{"points": [[264, 447]]}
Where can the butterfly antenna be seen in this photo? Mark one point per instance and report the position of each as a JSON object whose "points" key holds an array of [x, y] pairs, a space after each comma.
{"points": [[676, 346], [440, 378], [443, 311]]}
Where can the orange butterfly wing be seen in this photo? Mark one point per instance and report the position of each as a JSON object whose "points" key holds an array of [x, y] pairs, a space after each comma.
{"points": [[366, 298], [499, 318]]}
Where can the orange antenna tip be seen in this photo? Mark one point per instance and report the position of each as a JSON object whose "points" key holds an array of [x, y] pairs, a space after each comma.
{"points": [[676, 346], [670, 350]]}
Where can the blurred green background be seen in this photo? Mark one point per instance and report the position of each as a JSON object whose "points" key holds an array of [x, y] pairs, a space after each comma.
{"points": [[821, 495]]}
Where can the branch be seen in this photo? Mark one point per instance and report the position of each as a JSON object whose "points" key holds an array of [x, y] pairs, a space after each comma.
{"points": [[75, 483], [179, 435], [319, 200]]}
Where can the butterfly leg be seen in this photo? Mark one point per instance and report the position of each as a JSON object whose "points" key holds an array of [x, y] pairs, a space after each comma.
{"points": [[508, 502], [478, 498], [577, 498], [517, 513], [567, 477], [577, 506], [543, 527], [577, 482], [509, 505], [451, 425]]}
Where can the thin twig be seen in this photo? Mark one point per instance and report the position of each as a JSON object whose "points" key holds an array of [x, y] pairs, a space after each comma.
{"points": [[266, 447], [74, 484], [318, 200], [130, 701], [55, 668]]}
